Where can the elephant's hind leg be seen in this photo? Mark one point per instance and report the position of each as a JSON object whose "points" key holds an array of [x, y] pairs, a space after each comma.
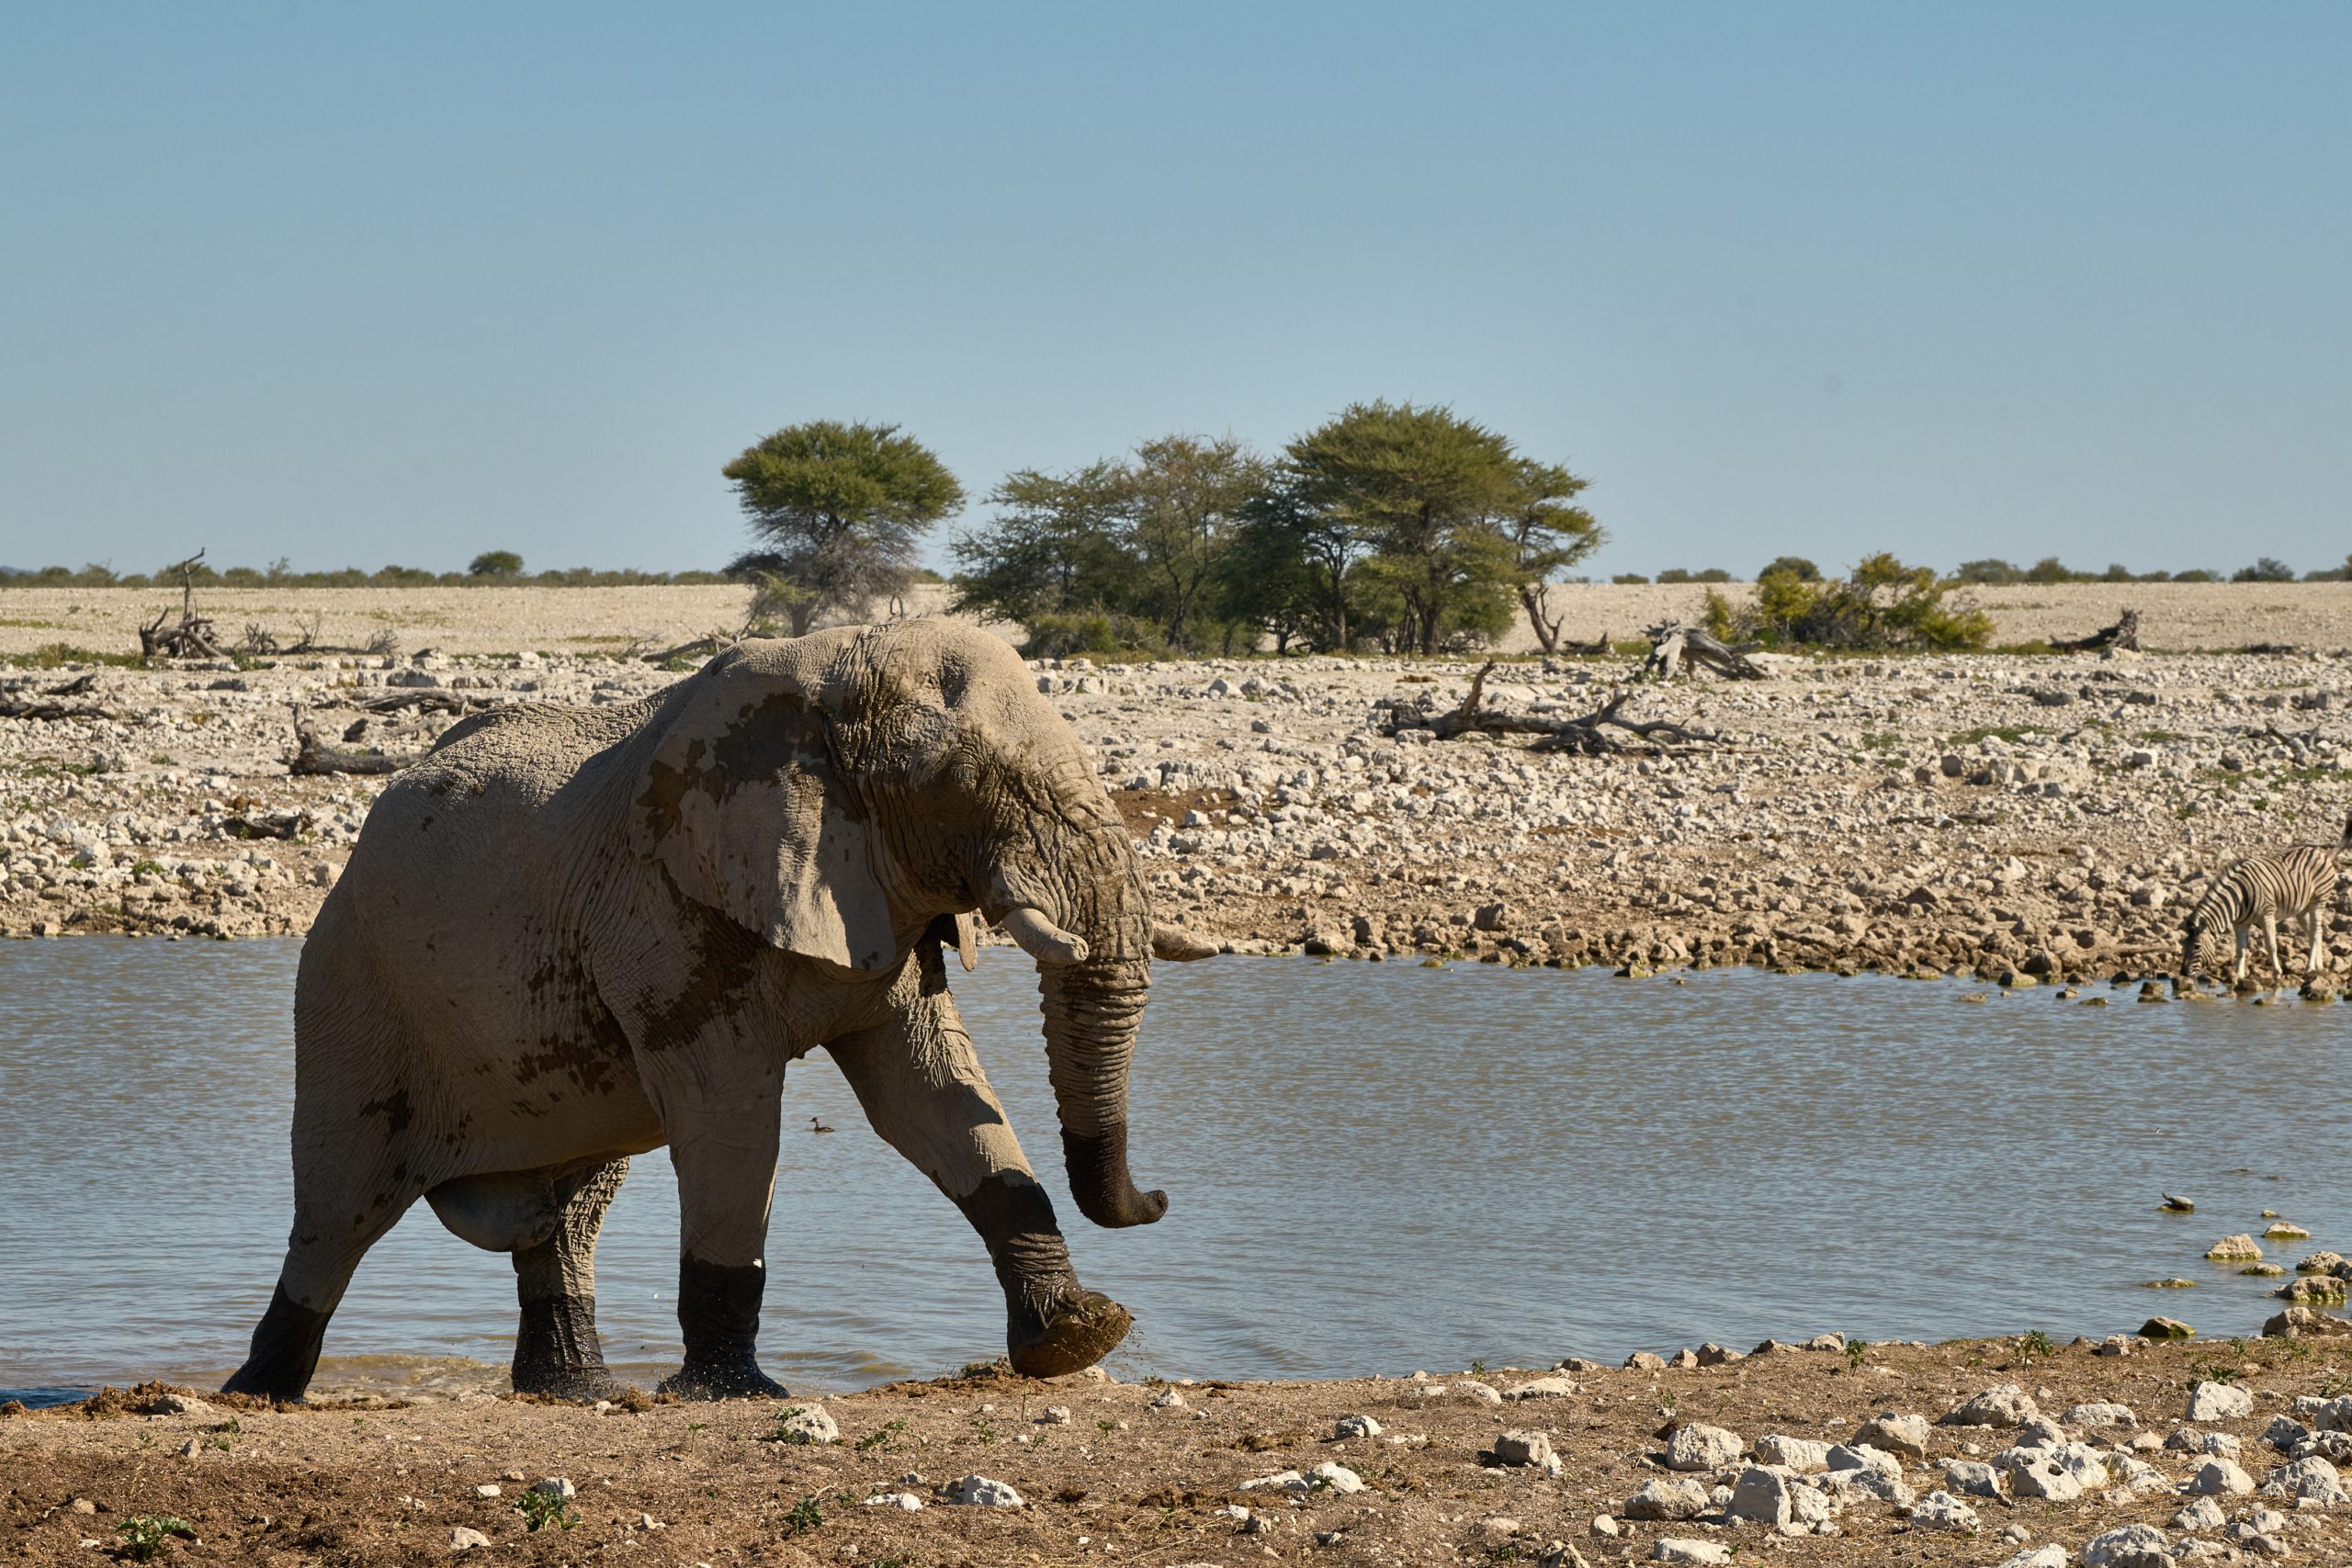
{"points": [[334, 1225], [556, 1348], [922, 1087]]}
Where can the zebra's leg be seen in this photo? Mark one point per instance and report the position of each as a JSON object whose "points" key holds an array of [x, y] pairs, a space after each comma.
{"points": [[2312, 964], [2271, 935], [2238, 936]]}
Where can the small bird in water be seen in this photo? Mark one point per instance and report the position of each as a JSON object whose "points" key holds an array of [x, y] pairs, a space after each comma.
{"points": [[817, 1124], [2180, 1206]]}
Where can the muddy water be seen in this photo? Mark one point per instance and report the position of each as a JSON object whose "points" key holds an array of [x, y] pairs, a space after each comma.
{"points": [[1371, 1168]]}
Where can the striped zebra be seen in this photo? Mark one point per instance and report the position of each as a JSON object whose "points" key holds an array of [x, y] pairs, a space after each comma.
{"points": [[2264, 889]]}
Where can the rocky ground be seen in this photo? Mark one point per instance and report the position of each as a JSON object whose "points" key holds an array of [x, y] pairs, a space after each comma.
{"points": [[2013, 816], [2015, 1452]]}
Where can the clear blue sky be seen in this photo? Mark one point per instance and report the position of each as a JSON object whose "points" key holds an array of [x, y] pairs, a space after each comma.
{"points": [[400, 282]]}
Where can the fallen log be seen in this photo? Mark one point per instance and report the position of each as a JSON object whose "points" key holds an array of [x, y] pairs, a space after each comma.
{"points": [[1585, 735], [1674, 648], [279, 825], [427, 699], [314, 757], [701, 648], [2124, 634], [52, 710]]}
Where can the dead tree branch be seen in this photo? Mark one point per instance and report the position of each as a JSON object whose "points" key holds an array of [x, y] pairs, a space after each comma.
{"points": [[314, 757], [1674, 648], [193, 636], [2124, 634], [1586, 735]]}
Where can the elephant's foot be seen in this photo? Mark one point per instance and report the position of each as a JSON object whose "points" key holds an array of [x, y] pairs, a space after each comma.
{"points": [[737, 1378], [557, 1352], [718, 1314], [284, 1352], [1068, 1334]]}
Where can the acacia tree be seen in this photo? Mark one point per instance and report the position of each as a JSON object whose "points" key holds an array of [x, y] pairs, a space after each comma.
{"points": [[1422, 487], [841, 509], [1186, 496], [1548, 533], [1052, 548]]}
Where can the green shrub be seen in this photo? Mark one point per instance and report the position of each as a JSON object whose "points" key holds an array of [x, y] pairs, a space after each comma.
{"points": [[1098, 634], [1680, 574], [1883, 606], [1793, 566], [1630, 579], [2266, 570], [495, 563]]}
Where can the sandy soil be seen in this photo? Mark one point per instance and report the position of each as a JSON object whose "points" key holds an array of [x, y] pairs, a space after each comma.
{"points": [[1110, 1473]]}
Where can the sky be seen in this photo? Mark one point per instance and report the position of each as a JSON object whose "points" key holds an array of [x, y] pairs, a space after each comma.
{"points": [[405, 282]]}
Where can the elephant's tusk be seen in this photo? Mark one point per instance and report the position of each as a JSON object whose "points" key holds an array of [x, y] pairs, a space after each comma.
{"points": [[1177, 945], [1041, 939]]}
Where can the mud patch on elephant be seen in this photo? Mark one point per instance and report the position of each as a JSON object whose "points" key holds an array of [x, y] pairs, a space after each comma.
{"points": [[395, 1109]]}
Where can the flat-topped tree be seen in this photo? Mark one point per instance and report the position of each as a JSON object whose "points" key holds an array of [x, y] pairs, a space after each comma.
{"points": [[841, 509]]}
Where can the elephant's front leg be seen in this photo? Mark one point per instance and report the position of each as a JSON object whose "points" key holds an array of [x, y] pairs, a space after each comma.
{"points": [[556, 1348], [725, 1155], [922, 1087]]}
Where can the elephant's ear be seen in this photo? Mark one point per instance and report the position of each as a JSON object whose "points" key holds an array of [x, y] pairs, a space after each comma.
{"points": [[742, 807]]}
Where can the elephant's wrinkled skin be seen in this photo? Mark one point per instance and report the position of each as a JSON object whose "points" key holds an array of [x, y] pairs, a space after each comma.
{"points": [[570, 935]]}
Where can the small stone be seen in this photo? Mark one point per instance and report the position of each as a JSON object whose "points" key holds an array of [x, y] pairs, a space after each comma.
{"points": [[557, 1487], [1663, 1498], [1972, 1477], [806, 1423], [1544, 1388], [2039, 1557], [82, 1506], [2286, 1230], [1942, 1511], [2162, 1327], [1167, 1399], [1354, 1427], [2133, 1546], [1701, 1447], [2218, 1402], [2100, 1416], [905, 1502], [1806, 1456], [183, 1405], [489, 1489], [2238, 1248], [1667, 1549], [1533, 1449], [465, 1538], [1055, 1415], [1339, 1478], [2204, 1514], [981, 1492], [2313, 1480], [2004, 1404], [1904, 1435], [1645, 1361], [2219, 1478], [1606, 1527]]}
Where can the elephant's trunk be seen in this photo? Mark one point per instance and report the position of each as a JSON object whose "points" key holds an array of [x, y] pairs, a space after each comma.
{"points": [[1091, 1010]]}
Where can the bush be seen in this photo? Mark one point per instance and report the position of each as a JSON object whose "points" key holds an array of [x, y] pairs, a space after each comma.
{"points": [[495, 563], [2266, 570], [1098, 634], [1797, 566], [2198, 574], [2050, 569], [1630, 579], [1991, 573], [1883, 606], [1678, 575]]}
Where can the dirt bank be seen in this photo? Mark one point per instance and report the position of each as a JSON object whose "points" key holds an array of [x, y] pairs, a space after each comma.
{"points": [[1162, 1474], [2008, 817]]}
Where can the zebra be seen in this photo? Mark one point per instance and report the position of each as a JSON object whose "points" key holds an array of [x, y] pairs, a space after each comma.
{"points": [[2264, 888]]}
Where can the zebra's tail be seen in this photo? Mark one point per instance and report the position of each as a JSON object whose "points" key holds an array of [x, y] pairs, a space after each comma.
{"points": [[2346, 841]]}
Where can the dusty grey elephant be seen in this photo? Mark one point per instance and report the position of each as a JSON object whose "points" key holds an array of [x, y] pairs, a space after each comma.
{"points": [[570, 935]]}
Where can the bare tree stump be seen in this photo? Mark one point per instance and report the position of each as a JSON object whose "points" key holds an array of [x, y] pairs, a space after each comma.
{"points": [[1674, 648]]}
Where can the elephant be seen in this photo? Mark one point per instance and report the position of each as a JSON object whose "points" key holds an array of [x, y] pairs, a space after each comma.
{"points": [[568, 935]]}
